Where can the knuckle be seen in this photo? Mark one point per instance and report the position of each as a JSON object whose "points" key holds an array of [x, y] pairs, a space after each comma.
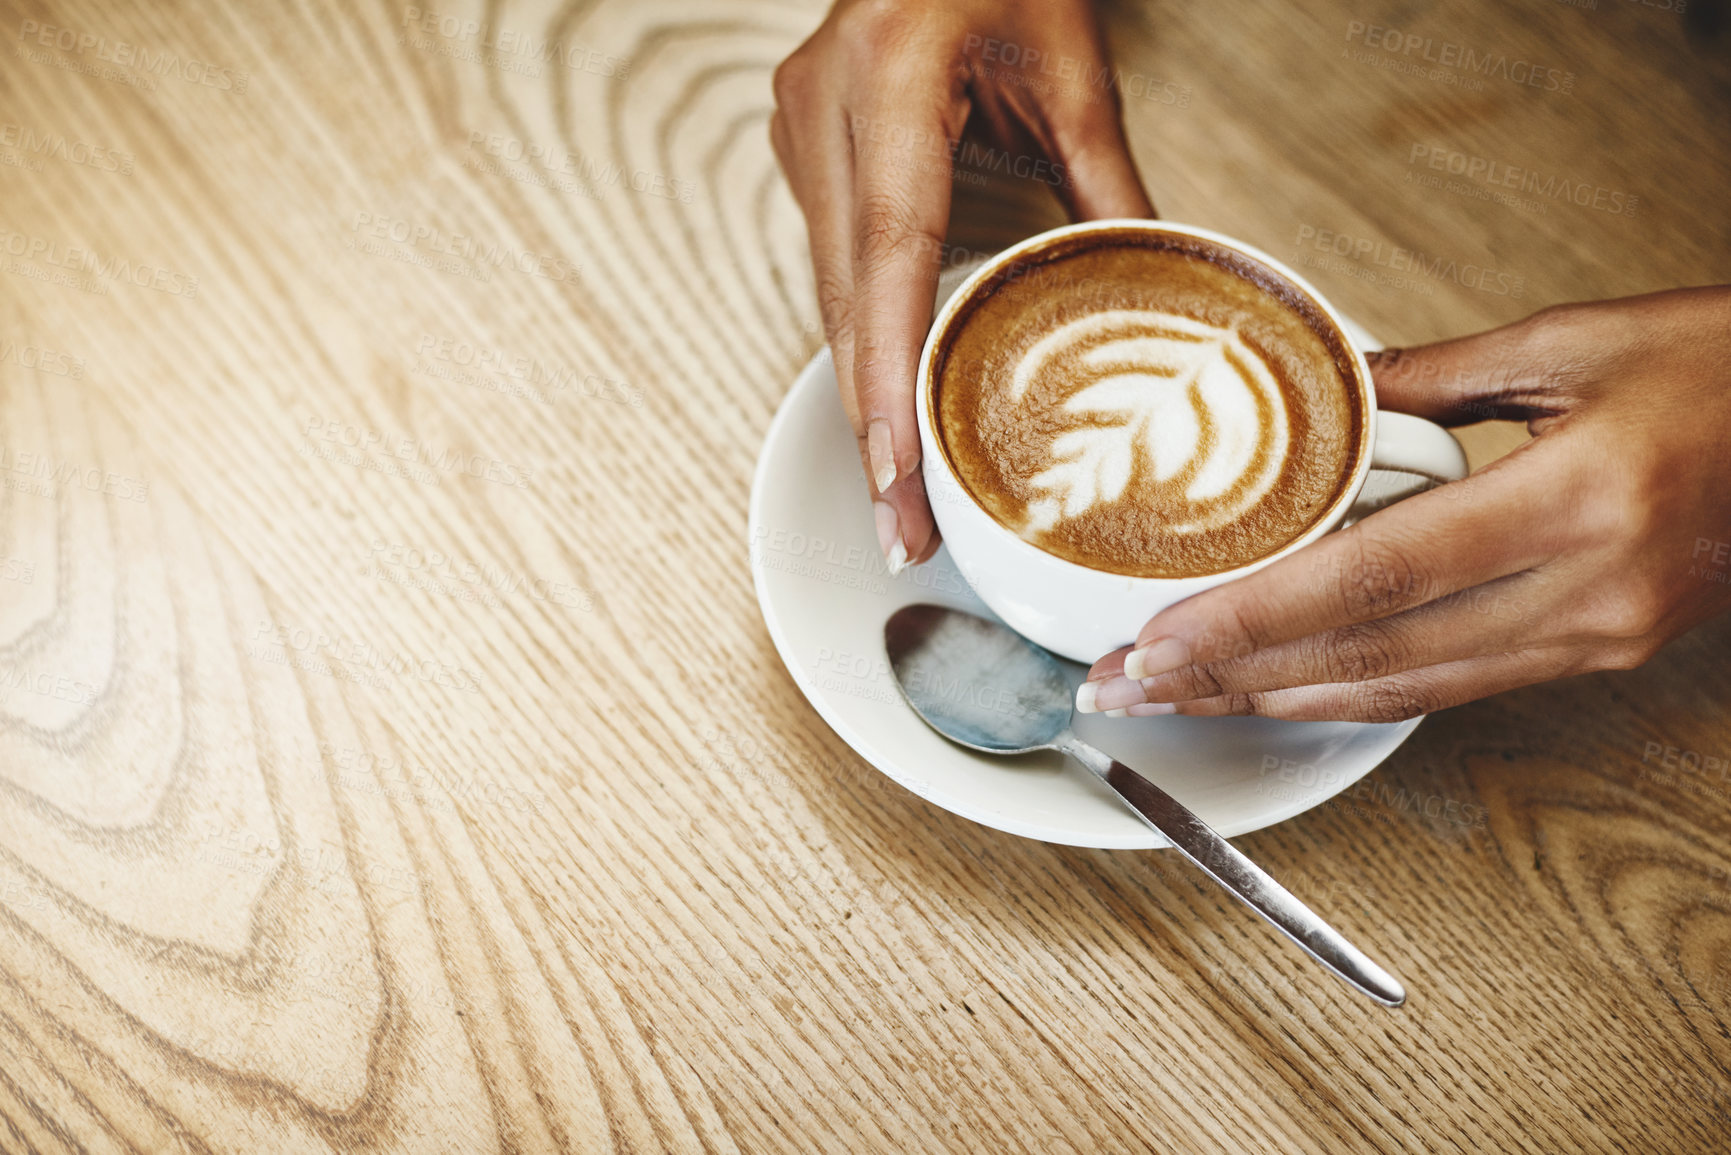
{"points": [[1551, 328], [1359, 653], [1627, 654], [1246, 705], [880, 27], [1548, 318], [835, 301], [1569, 340], [1207, 680], [792, 80], [887, 232], [1246, 632], [1563, 324], [1380, 577], [1625, 615], [1392, 700]]}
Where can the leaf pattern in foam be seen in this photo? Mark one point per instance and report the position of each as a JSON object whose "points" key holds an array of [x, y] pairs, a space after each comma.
{"points": [[1176, 388]]}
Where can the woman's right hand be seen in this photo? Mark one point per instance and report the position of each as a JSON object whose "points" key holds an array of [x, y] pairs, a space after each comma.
{"points": [[868, 112]]}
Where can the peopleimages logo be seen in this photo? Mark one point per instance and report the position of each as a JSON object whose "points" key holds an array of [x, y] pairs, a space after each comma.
{"points": [[128, 55], [1449, 55], [513, 45], [436, 566], [421, 454], [56, 686], [1498, 175], [1025, 66], [540, 381], [482, 255], [58, 254], [1396, 259], [383, 773], [55, 473], [557, 161], [1304, 777], [41, 359], [346, 657], [69, 150], [968, 160]]}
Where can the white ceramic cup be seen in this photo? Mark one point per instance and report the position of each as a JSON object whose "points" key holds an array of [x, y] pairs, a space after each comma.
{"points": [[1084, 613]]}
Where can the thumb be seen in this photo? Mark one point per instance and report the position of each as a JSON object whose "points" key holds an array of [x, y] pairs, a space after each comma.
{"points": [[1501, 373]]}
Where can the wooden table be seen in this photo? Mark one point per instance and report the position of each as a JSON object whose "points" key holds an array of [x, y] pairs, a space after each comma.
{"points": [[392, 756]]}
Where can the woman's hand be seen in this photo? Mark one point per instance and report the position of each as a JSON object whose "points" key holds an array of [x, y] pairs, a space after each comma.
{"points": [[867, 113], [1587, 548]]}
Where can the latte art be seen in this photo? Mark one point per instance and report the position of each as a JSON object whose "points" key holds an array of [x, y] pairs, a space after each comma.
{"points": [[1151, 405], [1190, 403]]}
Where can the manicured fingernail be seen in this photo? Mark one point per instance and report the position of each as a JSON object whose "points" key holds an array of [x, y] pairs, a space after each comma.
{"points": [[880, 447], [1156, 658], [1117, 713], [1152, 709], [1085, 698], [1117, 693], [890, 536]]}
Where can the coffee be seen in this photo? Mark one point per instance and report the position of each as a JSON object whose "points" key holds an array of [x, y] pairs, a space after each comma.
{"points": [[1150, 404]]}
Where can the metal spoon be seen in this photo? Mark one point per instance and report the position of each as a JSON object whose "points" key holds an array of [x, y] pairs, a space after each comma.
{"points": [[960, 673]]}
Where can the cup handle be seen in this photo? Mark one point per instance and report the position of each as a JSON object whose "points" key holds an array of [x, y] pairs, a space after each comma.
{"points": [[1408, 444], [1424, 451]]}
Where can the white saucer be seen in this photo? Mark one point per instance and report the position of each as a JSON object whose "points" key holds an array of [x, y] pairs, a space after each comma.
{"points": [[825, 594]]}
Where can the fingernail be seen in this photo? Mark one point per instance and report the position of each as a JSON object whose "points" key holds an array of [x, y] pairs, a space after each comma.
{"points": [[1156, 658], [1117, 713], [890, 536], [1085, 698], [1152, 709], [1117, 693], [880, 447]]}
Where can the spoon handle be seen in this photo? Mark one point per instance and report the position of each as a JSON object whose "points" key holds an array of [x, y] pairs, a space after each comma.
{"points": [[1222, 862]]}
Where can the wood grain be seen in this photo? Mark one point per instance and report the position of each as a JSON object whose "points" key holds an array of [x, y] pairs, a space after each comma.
{"points": [[392, 756]]}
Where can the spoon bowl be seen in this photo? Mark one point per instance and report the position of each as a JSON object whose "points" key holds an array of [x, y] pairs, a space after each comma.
{"points": [[976, 682], [983, 686]]}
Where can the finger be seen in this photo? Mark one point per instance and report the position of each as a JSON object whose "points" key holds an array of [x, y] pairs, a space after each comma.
{"points": [[1493, 618], [1501, 373], [1099, 178], [811, 140], [1107, 671], [910, 492], [1399, 696], [901, 205], [1094, 174], [1452, 538], [1083, 129]]}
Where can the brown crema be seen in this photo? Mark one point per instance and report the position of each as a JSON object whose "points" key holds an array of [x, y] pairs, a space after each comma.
{"points": [[1150, 404]]}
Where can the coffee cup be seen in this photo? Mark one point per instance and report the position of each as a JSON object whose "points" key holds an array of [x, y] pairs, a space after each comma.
{"points": [[1083, 605]]}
